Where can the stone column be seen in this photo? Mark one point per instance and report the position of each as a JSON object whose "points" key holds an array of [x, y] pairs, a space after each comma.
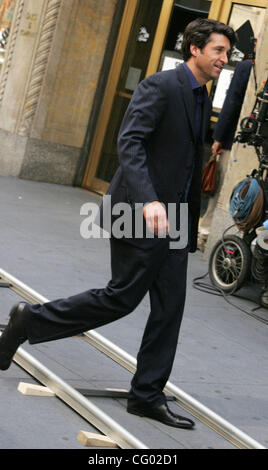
{"points": [[48, 83], [246, 157]]}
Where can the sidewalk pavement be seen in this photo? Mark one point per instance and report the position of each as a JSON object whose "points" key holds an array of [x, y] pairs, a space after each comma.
{"points": [[222, 352]]}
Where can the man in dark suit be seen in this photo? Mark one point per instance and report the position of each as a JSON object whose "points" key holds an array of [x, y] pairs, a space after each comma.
{"points": [[160, 150], [224, 136], [227, 123]]}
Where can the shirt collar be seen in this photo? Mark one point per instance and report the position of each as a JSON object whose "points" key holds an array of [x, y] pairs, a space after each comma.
{"points": [[194, 83]]}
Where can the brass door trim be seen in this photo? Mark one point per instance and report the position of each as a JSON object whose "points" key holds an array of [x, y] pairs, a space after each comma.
{"points": [[124, 95], [215, 9], [106, 107], [214, 14], [227, 6], [160, 35], [99, 186]]}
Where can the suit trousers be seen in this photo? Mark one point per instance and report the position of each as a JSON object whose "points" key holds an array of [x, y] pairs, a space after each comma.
{"points": [[136, 270]]}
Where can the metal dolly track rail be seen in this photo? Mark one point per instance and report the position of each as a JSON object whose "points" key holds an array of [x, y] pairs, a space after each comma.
{"points": [[204, 414], [65, 392], [78, 402]]}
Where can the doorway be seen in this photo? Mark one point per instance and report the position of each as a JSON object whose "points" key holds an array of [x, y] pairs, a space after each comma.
{"points": [[148, 41], [133, 70], [135, 47]]}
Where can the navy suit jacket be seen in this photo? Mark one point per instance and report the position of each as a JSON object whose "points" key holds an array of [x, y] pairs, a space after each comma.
{"points": [[229, 115], [156, 145]]}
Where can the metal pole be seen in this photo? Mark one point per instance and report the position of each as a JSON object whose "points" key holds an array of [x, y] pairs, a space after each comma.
{"points": [[78, 402], [218, 424], [64, 391], [204, 414]]}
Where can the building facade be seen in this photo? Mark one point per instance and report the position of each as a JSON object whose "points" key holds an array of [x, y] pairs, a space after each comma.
{"points": [[49, 75], [69, 69]]}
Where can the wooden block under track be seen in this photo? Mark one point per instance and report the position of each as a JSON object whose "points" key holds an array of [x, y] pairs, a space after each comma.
{"points": [[89, 439], [35, 390]]}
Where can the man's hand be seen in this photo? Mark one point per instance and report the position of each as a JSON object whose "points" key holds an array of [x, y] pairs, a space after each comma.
{"points": [[216, 148], [156, 218]]}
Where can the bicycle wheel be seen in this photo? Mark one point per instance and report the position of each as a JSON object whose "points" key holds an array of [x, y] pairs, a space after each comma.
{"points": [[230, 263]]}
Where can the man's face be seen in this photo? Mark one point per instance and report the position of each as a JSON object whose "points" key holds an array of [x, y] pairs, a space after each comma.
{"points": [[210, 60]]}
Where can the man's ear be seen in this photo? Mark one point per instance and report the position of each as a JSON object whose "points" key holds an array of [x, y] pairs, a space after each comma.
{"points": [[194, 50]]}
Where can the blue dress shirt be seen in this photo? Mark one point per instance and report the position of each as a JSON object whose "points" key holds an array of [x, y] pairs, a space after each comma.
{"points": [[199, 97]]}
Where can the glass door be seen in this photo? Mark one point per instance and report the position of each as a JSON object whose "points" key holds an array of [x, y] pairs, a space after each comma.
{"points": [[148, 41], [134, 48], [133, 71]]}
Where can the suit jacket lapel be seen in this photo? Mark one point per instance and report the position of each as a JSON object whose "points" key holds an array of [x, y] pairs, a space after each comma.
{"points": [[205, 116], [188, 97], [189, 103]]}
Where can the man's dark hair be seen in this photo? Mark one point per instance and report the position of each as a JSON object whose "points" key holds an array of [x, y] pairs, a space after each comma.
{"points": [[198, 33]]}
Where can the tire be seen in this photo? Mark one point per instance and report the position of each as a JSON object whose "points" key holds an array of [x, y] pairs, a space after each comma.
{"points": [[230, 263]]}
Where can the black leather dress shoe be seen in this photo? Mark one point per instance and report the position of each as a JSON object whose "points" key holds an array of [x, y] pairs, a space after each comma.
{"points": [[13, 336], [164, 415]]}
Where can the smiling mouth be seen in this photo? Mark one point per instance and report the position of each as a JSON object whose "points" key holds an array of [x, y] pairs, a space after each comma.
{"points": [[218, 67]]}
